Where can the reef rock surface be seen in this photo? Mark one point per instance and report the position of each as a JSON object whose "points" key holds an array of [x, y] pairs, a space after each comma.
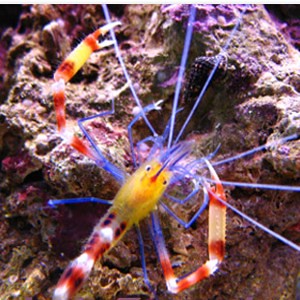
{"points": [[257, 101]]}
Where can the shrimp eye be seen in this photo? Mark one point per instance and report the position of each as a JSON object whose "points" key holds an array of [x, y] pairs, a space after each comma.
{"points": [[148, 168]]}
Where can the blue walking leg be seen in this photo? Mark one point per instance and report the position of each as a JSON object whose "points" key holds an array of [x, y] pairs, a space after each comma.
{"points": [[143, 261], [195, 216], [102, 162], [53, 203], [154, 106]]}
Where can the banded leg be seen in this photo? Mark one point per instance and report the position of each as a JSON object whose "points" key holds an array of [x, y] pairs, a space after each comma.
{"points": [[216, 242], [64, 73], [217, 218], [109, 230]]}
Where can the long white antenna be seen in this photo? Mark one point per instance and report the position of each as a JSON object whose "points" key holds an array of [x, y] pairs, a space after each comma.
{"points": [[212, 73], [187, 42], [262, 227], [119, 56]]}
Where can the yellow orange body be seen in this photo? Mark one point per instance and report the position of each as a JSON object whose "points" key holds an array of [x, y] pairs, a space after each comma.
{"points": [[141, 192]]}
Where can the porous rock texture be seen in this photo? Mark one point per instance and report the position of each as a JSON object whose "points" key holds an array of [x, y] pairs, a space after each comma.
{"points": [[256, 102]]}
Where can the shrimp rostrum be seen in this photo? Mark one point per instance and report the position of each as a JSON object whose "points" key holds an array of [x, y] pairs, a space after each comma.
{"points": [[170, 166]]}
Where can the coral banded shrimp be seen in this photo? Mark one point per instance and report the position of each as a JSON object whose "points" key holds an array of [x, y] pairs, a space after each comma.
{"points": [[170, 164]]}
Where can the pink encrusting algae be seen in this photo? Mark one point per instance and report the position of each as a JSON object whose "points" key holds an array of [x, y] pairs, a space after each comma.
{"points": [[254, 103]]}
